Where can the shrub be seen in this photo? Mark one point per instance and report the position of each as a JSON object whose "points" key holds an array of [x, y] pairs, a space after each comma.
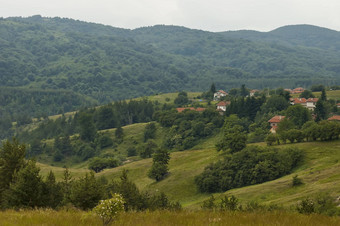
{"points": [[306, 206], [229, 203], [296, 181], [131, 151], [108, 210], [270, 139], [98, 164], [209, 203]]}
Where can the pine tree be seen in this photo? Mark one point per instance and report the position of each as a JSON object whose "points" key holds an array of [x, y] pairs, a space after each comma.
{"points": [[213, 88], [86, 192], [12, 156], [323, 95], [320, 110], [26, 189], [66, 186], [87, 128]]}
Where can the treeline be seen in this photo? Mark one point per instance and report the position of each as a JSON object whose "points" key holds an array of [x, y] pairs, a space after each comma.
{"points": [[21, 186], [188, 127], [81, 135], [86, 122], [20, 105], [310, 131], [252, 165]]}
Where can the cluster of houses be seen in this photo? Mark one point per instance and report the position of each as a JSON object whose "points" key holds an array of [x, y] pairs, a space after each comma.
{"points": [[296, 90], [309, 103]]}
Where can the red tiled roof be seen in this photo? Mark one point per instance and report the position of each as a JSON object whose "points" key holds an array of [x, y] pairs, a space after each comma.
{"points": [[334, 117], [298, 100], [276, 118], [221, 91], [223, 103], [312, 100]]}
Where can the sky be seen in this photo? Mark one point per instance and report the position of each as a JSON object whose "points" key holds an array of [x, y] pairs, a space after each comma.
{"points": [[208, 15]]}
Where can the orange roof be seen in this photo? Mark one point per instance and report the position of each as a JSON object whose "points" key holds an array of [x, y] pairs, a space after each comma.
{"points": [[312, 100], [298, 100], [276, 118], [221, 91], [334, 117], [223, 103]]}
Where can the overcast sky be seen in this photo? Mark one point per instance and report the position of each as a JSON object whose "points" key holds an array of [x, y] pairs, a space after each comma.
{"points": [[210, 15]]}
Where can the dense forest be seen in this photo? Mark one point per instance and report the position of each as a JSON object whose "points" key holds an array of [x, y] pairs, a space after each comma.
{"points": [[101, 63]]}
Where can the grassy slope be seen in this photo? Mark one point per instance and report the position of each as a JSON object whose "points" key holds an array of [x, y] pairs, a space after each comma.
{"points": [[320, 172]]}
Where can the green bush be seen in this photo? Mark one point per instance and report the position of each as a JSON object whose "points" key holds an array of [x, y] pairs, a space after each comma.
{"points": [[98, 164]]}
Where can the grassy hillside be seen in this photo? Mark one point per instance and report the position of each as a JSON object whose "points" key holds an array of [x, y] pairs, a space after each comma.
{"points": [[319, 172]]}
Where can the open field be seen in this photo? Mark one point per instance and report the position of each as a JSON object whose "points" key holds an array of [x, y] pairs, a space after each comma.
{"points": [[331, 94], [164, 218], [168, 97]]}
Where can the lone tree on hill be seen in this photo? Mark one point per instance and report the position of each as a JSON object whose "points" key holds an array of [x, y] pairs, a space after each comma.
{"points": [[159, 167]]}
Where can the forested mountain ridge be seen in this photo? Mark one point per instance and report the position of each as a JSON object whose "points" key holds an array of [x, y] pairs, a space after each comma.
{"points": [[105, 63], [295, 35]]}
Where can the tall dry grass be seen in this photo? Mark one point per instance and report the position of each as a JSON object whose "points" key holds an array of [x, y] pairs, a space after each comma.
{"points": [[165, 218]]}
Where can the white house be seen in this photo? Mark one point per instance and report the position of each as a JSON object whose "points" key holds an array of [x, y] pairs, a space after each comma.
{"points": [[220, 94], [222, 106]]}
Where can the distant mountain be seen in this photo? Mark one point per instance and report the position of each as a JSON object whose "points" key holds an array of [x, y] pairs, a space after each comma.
{"points": [[296, 35], [106, 63]]}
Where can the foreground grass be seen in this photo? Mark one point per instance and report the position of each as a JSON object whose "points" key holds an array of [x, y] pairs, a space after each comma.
{"points": [[197, 218]]}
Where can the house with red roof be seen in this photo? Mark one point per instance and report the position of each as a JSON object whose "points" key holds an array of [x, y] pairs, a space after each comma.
{"points": [[275, 121], [222, 105], [220, 94], [297, 90], [309, 103], [253, 91]]}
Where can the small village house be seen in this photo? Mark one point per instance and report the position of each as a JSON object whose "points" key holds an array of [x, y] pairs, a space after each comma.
{"points": [[297, 90], [252, 92], [222, 105], [275, 121], [219, 94], [309, 103]]}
